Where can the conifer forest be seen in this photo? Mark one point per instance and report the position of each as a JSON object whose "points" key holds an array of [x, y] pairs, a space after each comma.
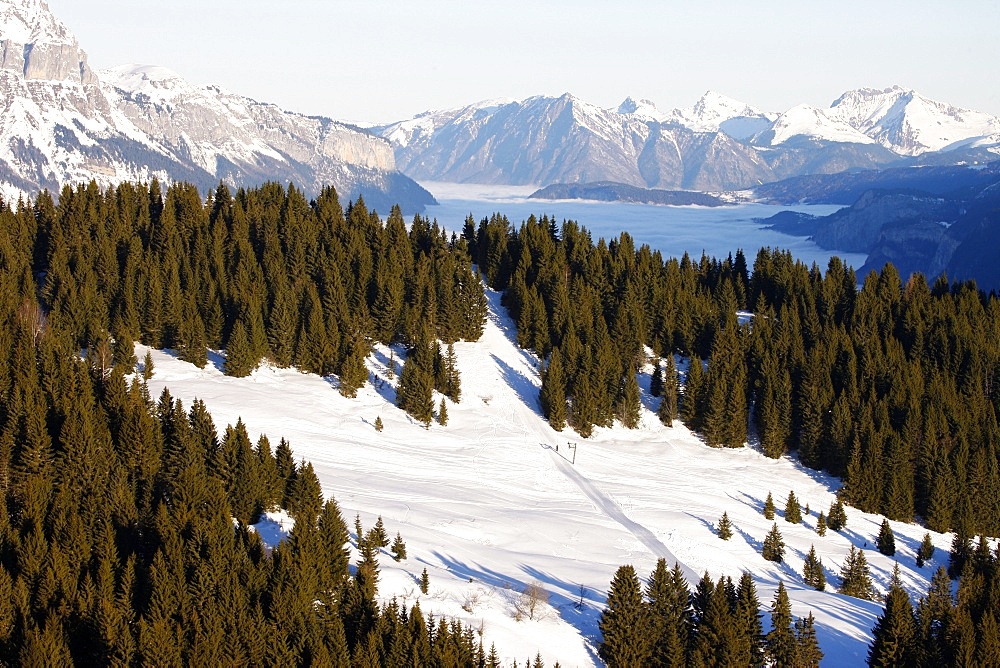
{"points": [[124, 537]]}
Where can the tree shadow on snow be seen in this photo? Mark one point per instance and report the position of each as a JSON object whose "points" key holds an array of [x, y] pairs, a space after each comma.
{"points": [[217, 359], [380, 380], [499, 316], [705, 523], [526, 391], [577, 605]]}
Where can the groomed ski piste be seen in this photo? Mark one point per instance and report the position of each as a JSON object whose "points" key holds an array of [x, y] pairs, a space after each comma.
{"points": [[497, 500]]}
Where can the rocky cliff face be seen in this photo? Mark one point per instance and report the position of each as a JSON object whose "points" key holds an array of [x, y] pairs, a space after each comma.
{"points": [[238, 139], [60, 123], [37, 45]]}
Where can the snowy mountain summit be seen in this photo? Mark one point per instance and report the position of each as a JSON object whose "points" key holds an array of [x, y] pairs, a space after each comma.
{"points": [[38, 46], [715, 112], [718, 143], [908, 123], [62, 124]]}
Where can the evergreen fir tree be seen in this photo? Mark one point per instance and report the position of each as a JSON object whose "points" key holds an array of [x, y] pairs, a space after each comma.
{"points": [[692, 412], [629, 401], [836, 519], [416, 384], [552, 396], [425, 582], [241, 358], [398, 548], [886, 541], [769, 507], [667, 410], [821, 524], [147, 366], [725, 529], [670, 620], [774, 546], [812, 571], [893, 636], [781, 644], [855, 578], [748, 624], [961, 550], [793, 512], [622, 623], [442, 413], [378, 423], [353, 372], [656, 379], [379, 535], [988, 647], [808, 652], [925, 551]]}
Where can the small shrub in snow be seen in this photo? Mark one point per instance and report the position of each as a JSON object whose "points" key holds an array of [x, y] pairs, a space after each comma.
{"points": [[529, 604]]}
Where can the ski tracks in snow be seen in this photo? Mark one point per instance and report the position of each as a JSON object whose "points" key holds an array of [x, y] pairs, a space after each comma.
{"points": [[611, 509]]}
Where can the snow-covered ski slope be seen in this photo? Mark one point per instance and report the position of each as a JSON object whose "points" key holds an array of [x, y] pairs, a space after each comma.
{"points": [[492, 502]]}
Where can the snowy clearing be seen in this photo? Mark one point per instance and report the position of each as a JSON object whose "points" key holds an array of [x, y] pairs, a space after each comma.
{"points": [[492, 502]]}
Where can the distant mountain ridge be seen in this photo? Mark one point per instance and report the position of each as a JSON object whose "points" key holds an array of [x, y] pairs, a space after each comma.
{"points": [[717, 144], [61, 123], [932, 220]]}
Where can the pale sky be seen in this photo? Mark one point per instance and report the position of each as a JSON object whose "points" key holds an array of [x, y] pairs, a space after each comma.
{"points": [[374, 61]]}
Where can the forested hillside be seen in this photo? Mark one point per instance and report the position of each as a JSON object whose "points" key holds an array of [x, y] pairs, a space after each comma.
{"points": [[124, 538], [891, 387], [119, 542]]}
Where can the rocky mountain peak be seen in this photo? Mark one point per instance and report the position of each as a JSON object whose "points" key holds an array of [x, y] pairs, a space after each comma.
{"points": [[36, 45]]}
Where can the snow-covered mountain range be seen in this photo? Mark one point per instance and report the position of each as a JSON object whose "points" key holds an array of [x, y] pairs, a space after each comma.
{"points": [[717, 144], [62, 123]]}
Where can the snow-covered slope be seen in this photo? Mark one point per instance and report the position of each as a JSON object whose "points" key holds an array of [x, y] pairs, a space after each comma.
{"points": [[60, 123], [494, 501], [804, 121]]}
